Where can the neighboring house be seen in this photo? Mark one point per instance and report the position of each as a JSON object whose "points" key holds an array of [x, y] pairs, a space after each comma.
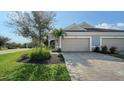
{"points": [[84, 37]]}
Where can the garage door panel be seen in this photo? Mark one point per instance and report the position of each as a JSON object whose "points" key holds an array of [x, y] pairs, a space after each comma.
{"points": [[116, 42], [75, 44]]}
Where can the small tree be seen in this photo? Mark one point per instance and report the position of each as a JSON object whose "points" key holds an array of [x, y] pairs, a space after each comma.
{"points": [[3, 41], [32, 24], [57, 33]]}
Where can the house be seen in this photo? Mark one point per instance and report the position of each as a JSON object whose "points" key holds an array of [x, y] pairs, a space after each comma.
{"points": [[84, 37]]}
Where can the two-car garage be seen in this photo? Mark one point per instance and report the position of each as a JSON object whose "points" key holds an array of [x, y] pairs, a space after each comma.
{"points": [[75, 44]]}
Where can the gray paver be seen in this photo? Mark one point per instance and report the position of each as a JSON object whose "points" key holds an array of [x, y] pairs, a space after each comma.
{"points": [[94, 66]]}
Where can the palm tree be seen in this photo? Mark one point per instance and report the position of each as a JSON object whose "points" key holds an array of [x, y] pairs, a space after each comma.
{"points": [[57, 33]]}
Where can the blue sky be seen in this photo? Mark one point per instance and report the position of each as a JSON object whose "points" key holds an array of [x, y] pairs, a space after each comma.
{"points": [[113, 20], [97, 18]]}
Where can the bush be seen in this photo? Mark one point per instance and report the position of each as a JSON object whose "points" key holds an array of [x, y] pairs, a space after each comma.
{"points": [[57, 50], [61, 57], [96, 49], [24, 56], [104, 49], [112, 50], [40, 54]]}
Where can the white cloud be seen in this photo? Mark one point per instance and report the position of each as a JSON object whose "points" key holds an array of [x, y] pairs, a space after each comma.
{"points": [[104, 25], [119, 25]]}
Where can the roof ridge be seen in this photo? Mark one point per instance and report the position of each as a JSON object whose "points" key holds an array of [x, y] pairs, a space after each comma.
{"points": [[85, 25], [74, 26]]}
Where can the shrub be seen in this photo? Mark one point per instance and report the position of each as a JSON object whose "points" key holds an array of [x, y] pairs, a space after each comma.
{"points": [[96, 49], [24, 56], [104, 49], [57, 50], [40, 54], [112, 50], [61, 57]]}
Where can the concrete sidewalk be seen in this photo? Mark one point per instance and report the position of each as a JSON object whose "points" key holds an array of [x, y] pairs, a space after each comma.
{"points": [[13, 50]]}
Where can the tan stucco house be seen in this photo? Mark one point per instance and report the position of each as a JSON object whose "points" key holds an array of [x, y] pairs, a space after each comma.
{"points": [[84, 37]]}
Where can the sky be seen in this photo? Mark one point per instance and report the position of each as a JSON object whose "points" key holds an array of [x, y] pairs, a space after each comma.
{"points": [[112, 20]]}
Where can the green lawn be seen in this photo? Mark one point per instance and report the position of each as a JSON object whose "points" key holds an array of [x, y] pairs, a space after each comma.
{"points": [[3, 49], [118, 55], [12, 70]]}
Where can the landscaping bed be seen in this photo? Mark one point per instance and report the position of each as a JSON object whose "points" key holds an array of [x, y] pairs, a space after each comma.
{"points": [[55, 59], [41, 56], [12, 70], [111, 51]]}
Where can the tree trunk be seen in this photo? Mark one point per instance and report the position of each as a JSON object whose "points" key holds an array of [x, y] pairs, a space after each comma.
{"points": [[40, 39]]}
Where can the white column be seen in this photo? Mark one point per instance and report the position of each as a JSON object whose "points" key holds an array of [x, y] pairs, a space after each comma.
{"points": [[60, 41], [90, 43], [49, 43]]}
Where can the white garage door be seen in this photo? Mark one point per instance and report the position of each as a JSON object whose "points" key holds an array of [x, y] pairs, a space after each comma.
{"points": [[117, 42], [75, 44]]}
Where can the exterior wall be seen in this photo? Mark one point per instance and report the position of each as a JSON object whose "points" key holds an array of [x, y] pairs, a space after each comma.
{"points": [[50, 37], [95, 37]]}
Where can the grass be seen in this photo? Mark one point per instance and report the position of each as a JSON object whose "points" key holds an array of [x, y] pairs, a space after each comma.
{"points": [[14, 71], [3, 48], [118, 55]]}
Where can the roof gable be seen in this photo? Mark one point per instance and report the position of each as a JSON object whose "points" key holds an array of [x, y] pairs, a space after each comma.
{"points": [[74, 26], [85, 25]]}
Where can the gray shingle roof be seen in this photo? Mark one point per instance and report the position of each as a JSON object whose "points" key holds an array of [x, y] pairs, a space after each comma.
{"points": [[85, 27], [74, 26]]}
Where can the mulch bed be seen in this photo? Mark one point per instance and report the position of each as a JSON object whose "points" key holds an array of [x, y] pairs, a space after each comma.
{"points": [[53, 60]]}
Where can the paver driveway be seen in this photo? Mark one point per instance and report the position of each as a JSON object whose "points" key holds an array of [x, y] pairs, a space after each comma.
{"points": [[94, 66]]}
